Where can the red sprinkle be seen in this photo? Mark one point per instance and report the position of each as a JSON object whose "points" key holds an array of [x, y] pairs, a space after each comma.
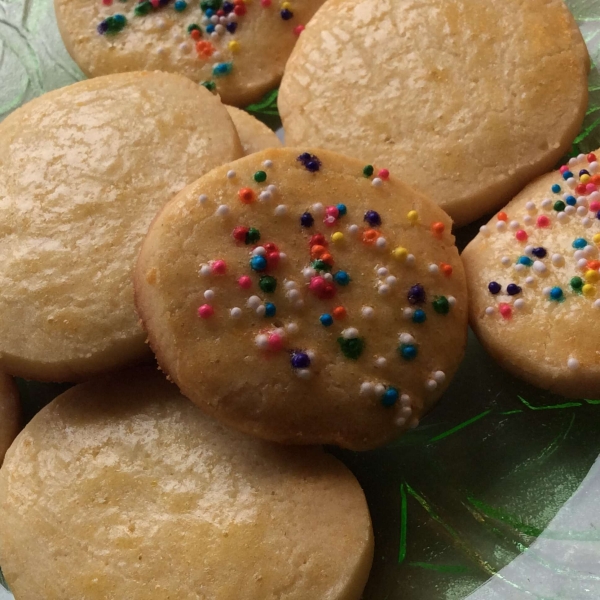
{"points": [[272, 259], [205, 311], [543, 221], [107, 2], [298, 29], [239, 234], [446, 269], [383, 174], [590, 188], [240, 10], [502, 216], [595, 206], [591, 157], [521, 235], [195, 33], [244, 282], [505, 310], [317, 239], [265, 3], [339, 312], [564, 169], [437, 228], [218, 267], [580, 189]]}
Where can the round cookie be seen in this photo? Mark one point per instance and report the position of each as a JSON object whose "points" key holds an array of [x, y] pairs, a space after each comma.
{"points": [[237, 47], [83, 171], [10, 413], [533, 274], [305, 299], [254, 135], [468, 100], [122, 488]]}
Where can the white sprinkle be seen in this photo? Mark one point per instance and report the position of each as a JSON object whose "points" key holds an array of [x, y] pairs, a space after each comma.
{"points": [[593, 167], [539, 266], [489, 310], [484, 230], [232, 17], [379, 389], [366, 388], [557, 260], [377, 182], [328, 276], [519, 303], [223, 210], [391, 280], [408, 313], [528, 220], [253, 302], [572, 161], [406, 411], [529, 250], [214, 19], [406, 338], [280, 210], [546, 203], [513, 225], [382, 271], [223, 20], [580, 157], [215, 35], [299, 304], [264, 196], [205, 270], [530, 206], [587, 222], [235, 312], [367, 312], [400, 421], [562, 217], [230, 174], [352, 229], [308, 272], [303, 373], [311, 354], [202, 198], [262, 341], [565, 196], [589, 251], [519, 267], [582, 263], [582, 211], [501, 226], [259, 251], [381, 242], [282, 256], [433, 268], [317, 208], [410, 260], [209, 294], [184, 47], [505, 261], [261, 310], [597, 304], [350, 333], [405, 400], [451, 300], [573, 364], [280, 331], [546, 291], [571, 182], [160, 50], [289, 284], [431, 384], [383, 289], [439, 376], [582, 200], [219, 29], [160, 24], [578, 254], [267, 164], [529, 280], [380, 362], [570, 210], [293, 294]]}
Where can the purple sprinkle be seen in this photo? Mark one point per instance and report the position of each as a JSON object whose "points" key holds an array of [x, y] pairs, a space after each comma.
{"points": [[231, 27], [372, 218], [307, 220], [300, 360], [102, 27], [310, 161], [416, 294], [513, 289]]}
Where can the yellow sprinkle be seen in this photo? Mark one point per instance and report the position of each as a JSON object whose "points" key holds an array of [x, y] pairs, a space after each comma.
{"points": [[338, 236], [413, 216], [234, 45], [588, 289], [584, 178], [286, 5], [597, 238], [592, 276], [400, 253]]}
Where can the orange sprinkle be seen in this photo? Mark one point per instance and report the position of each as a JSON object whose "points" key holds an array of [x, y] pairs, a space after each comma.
{"points": [[327, 259], [370, 236], [438, 228], [594, 264], [595, 179], [205, 48], [317, 251], [502, 216], [195, 34], [446, 269], [247, 196], [339, 312]]}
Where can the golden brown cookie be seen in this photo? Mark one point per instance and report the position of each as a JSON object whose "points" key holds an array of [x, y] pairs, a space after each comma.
{"points": [[254, 135], [10, 413], [83, 171], [122, 488], [237, 47], [464, 99], [534, 281], [305, 299]]}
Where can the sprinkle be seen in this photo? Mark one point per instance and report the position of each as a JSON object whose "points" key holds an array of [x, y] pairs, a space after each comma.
{"points": [[530, 206], [494, 287], [547, 204], [408, 351], [410, 260], [205, 311], [339, 312], [337, 237], [521, 235], [539, 252], [513, 225], [258, 263], [512, 289], [222, 69], [209, 295], [413, 217], [589, 290], [408, 313], [419, 316], [202, 198], [539, 267], [376, 182], [556, 188], [400, 253], [259, 251], [573, 364], [342, 278], [372, 218], [352, 229], [299, 360], [218, 267], [557, 260], [380, 362], [451, 301], [351, 348], [543, 221], [556, 293], [261, 310], [391, 280], [280, 210], [489, 310], [381, 242], [390, 397], [223, 210], [441, 305], [262, 341], [433, 268], [310, 162], [406, 338], [502, 216], [505, 261], [235, 312], [505, 310], [559, 206], [500, 226], [416, 294], [205, 270], [579, 243], [439, 376], [267, 284], [326, 320], [367, 312], [265, 196], [484, 230], [437, 228], [519, 303], [431, 385], [230, 174], [366, 388], [350, 333], [525, 261]]}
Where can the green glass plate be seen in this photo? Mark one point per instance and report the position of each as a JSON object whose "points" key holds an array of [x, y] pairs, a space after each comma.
{"points": [[494, 496]]}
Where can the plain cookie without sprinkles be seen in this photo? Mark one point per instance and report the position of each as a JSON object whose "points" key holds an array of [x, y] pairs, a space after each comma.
{"points": [[332, 290]]}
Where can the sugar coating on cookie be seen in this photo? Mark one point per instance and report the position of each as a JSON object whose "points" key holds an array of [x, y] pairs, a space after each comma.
{"points": [[304, 297], [464, 99], [254, 135], [534, 280], [236, 47], [10, 413], [83, 171], [122, 488]]}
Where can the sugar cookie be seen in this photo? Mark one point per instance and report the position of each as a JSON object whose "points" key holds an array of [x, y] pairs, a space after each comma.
{"points": [[83, 171], [304, 297], [254, 135], [534, 281], [464, 99], [10, 413], [237, 47], [122, 488]]}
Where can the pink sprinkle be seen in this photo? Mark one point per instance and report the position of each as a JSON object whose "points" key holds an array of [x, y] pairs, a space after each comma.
{"points": [[505, 310], [265, 3], [332, 211], [590, 187], [298, 29], [595, 206], [155, 3], [218, 267], [542, 221], [521, 235], [564, 169], [383, 174], [275, 342], [329, 221], [316, 284], [206, 311], [244, 282]]}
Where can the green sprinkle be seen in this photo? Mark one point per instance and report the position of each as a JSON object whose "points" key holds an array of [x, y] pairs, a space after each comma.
{"points": [[115, 23], [193, 27], [214, 4], [368, 170], [260, 176], [211, 86], [441, 305], [252, 236], [352, 348], [267, 284], [320, 265], [142, 9], [559, 206], [576, 284]]}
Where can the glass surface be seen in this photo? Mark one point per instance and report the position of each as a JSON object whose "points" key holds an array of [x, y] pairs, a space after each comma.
{"points": [[495, 495]]}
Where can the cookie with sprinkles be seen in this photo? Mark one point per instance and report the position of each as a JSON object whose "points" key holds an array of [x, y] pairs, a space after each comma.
{"points": [[83, 171], [533, 274], [304, 297], [236, 47], [467, 99], [254, 135]]}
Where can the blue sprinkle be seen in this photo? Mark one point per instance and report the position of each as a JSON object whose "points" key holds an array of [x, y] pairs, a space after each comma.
{"points": [[210, 28], [180, 5], [286, 14], [390, 397], [419, 316], [408, 351], [209, 12], [342, 278], [258, 263], [119, 19], [494, 287], [512, 289], [556, 188], [307, 220], [524, 260], [567, 175], [326, 320], [270, 309], [571, 200], [580, 243], [556, 293], [342, 209], [221, 69]]}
